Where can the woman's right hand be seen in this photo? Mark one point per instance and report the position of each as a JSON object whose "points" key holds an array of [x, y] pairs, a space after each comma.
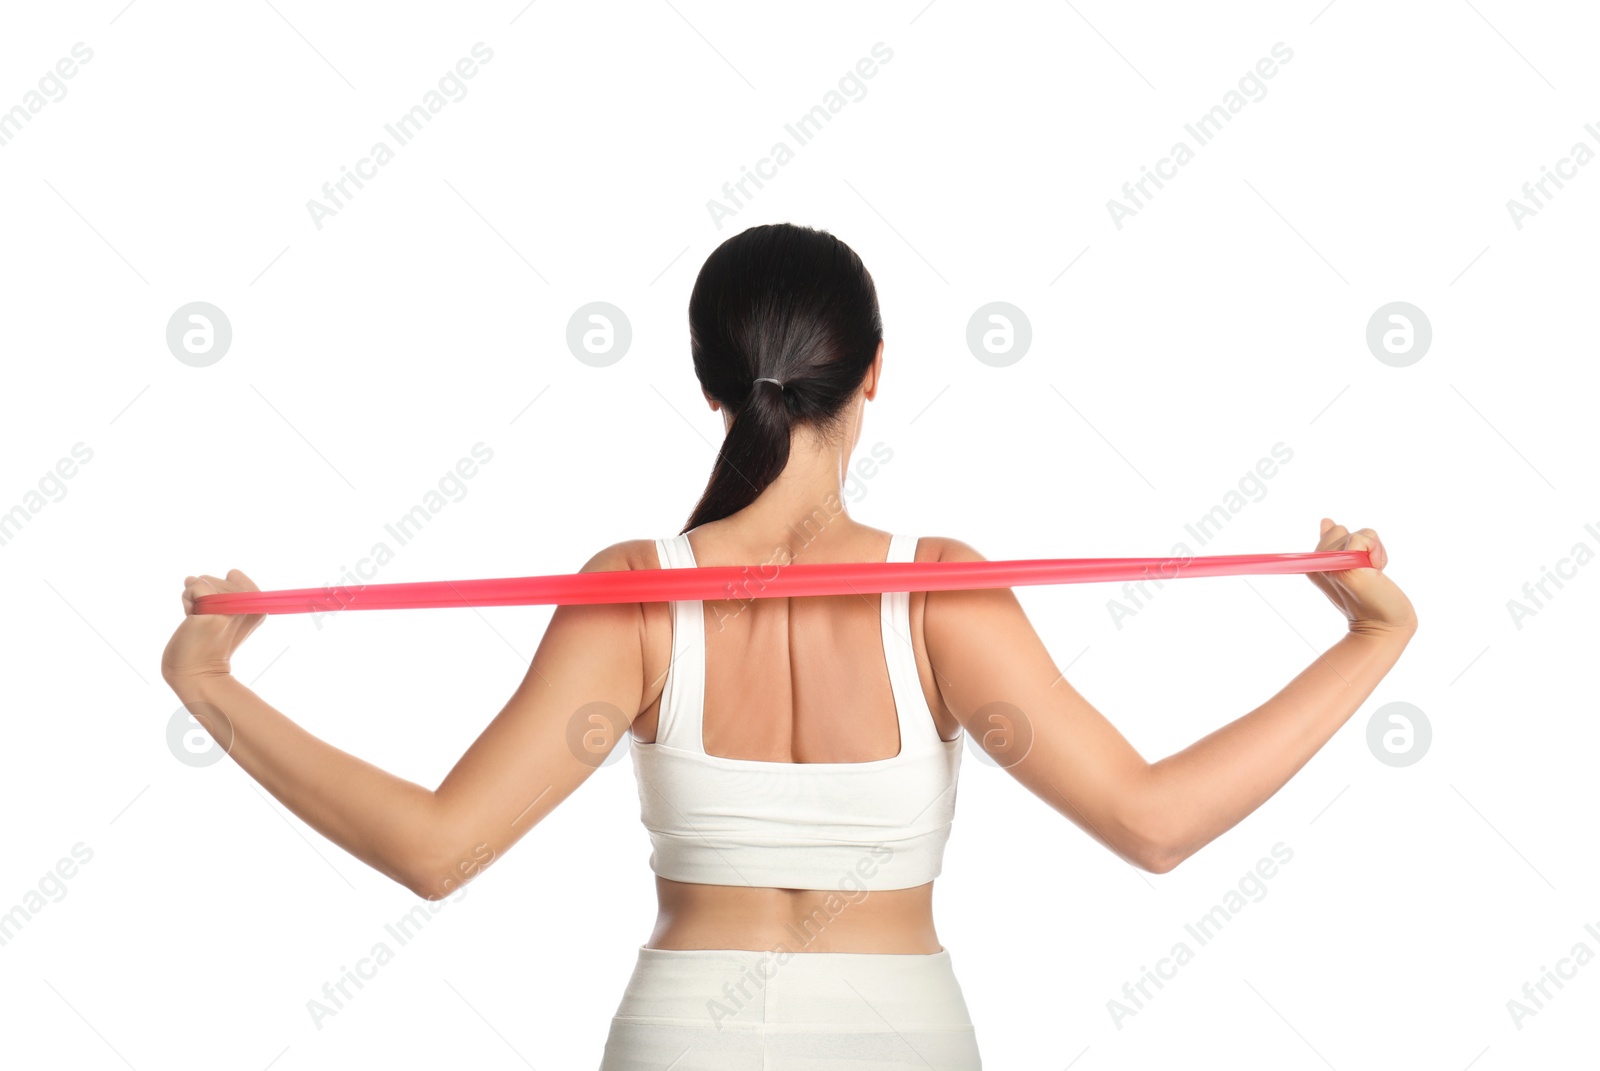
{"points": [[1369, 600]]}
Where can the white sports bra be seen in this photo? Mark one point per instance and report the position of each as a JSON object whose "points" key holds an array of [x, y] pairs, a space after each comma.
{"points": [[794, 825]]}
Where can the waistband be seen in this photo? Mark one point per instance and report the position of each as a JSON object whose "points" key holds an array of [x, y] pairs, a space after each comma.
{"points": [[750, 955], [728, 986]]}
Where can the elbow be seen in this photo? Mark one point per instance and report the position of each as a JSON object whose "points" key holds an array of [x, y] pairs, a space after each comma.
{"points": [[1159, 859], [429, 883], [419, 867], [445, 868], [1153, 840], [420, 879], [423, 890], [1151, 852]]}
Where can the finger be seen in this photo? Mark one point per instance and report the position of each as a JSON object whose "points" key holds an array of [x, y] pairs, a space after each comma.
{"points": [[1373, 546], [1327, 522], [1366, 539], [193, 587], [242, 581]]}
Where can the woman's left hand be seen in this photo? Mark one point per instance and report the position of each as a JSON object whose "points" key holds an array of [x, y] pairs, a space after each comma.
{"points": [[204, 643]]}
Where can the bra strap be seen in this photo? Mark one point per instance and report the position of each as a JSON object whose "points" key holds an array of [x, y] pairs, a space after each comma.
{"points": [[917, 730], [683, 693]]}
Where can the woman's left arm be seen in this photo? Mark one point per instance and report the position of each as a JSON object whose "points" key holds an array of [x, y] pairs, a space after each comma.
{"points": [[534, 754]]}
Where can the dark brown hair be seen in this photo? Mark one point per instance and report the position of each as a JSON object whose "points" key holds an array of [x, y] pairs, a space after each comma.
{"points": [[784, 302]]}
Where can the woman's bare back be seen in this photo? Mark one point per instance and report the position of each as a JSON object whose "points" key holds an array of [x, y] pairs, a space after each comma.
{"points": [[793, 680]]}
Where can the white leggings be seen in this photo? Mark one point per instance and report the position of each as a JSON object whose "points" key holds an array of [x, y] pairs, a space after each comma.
{"points": [[714, 1009]]}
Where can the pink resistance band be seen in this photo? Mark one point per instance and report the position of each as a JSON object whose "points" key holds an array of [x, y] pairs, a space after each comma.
{"points": [[740, 582]]}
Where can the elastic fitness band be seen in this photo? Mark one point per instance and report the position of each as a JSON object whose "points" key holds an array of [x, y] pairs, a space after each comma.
{"points": [[739, 582]]}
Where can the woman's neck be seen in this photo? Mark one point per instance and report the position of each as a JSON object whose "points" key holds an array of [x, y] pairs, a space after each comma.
{"points": [[801, 511]]}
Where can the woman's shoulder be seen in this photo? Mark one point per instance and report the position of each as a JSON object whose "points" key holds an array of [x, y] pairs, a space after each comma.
{"points": [[946, 549], [628, 554]]}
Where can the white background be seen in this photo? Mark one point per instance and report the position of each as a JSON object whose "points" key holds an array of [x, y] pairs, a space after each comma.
{"points": [[1168, 356]]}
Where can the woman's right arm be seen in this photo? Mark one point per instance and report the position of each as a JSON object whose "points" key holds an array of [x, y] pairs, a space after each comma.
{"points": [[583, 686], [984, 651], [378, 817]]}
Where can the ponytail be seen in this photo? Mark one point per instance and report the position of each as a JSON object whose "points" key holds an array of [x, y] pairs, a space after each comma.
{"points": [[786, 303], [752, 455]]}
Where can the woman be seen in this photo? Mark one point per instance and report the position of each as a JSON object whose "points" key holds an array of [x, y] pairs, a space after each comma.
{"points": [[797, 758]]}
